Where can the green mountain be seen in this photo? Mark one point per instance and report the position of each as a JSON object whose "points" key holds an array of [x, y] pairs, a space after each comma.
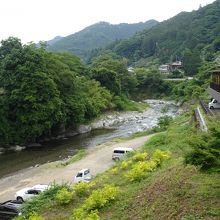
{"points": [[96, 36], [198, 32], [54, 40]]}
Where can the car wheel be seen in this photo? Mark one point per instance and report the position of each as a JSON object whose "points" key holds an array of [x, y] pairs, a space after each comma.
{"points": [[20, 199], [211, 107]]}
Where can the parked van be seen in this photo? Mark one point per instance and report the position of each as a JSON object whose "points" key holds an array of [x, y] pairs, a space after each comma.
{"points": [[120, 152], [214, 104], [83, 176]]}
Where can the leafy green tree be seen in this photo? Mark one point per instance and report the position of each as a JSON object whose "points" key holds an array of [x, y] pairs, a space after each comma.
{"points": [[40, 90], [5, 132], [191, 62], [107, 79], [31, 97], [206, 150], [151, 82], [113, 74]]}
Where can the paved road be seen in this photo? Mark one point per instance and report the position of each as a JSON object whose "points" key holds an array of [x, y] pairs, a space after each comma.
{"points": [[98, 160]]}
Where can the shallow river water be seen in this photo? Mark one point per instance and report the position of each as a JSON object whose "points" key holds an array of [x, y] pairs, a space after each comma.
{"points": [[128, 123]]}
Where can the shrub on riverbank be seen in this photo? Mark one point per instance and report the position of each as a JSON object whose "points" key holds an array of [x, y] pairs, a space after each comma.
{"points": [[205, 151]]}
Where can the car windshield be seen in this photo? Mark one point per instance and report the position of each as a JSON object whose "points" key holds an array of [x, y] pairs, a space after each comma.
{"points": [[119, 151], [79, 175], [86, 172]]}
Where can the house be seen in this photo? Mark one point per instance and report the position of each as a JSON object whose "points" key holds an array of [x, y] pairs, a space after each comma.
{"points": [[171, 67], [165, 68], [130, 69], [175, 66], [214, 88]]}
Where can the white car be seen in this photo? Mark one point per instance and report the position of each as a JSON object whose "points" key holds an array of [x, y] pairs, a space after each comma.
{"points": [[120, 152], [83, 176], [29, 192], [214, 104]]}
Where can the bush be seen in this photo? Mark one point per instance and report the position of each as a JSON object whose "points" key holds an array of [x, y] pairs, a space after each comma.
{"points": [[119, 103], [164, 122], [82, 188], [35, 216], [81, 214], [206, 149], [159, 156], [140, 170], [100, 198], [140, 156], [125, 164], [114, 170], [64, 196]]}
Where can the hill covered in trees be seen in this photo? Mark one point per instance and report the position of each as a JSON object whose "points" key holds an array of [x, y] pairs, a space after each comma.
{"points": [[41, 91], [97, 35], [188, 36]]}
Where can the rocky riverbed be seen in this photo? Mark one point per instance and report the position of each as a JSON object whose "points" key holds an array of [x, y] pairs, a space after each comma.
{"points": [[101, 130]]}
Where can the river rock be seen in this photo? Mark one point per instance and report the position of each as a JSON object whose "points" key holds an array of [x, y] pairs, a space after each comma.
{"points": [[34, 145], [71, 134], [98, 125], [16, 148], [84, 129], [61, 136], [19, 148], [2, 150]]}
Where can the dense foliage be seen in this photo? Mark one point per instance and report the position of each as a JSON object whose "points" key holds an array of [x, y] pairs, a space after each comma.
{"points": [[41, 90], [189, 36], [196, 88], [151, 82], [206, 149], [95, 36], [113, 74]]}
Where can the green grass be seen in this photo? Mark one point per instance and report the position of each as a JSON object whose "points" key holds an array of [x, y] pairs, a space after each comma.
{"points": [[124, 104], [136, 106], [78, 156], [172, 191]]}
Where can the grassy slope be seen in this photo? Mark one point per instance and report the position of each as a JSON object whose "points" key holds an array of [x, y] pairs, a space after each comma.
{"points": [[173, 191]]}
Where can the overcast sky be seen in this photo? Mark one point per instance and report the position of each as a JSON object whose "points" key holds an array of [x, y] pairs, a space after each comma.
{"points": [[34, 20]]}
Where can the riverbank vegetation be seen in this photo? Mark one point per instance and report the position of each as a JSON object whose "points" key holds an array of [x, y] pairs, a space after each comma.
{"points": [[43, 92], [158, 182]]}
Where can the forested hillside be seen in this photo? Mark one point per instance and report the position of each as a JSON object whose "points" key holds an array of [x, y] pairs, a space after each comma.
{"points": [[41, 91], [97, 35], [188, 36], [54, 40]]}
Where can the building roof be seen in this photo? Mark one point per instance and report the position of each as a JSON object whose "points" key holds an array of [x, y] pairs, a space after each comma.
{"points": [[214, 71]]}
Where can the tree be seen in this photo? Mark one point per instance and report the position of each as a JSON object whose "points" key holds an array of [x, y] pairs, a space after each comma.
{"points": [[191, 62], [40, 90], [107, 79], [206, 150]]}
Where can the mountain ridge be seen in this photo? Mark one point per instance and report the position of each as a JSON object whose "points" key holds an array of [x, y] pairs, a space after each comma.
{"points": [[97, 35], [197, 31]]}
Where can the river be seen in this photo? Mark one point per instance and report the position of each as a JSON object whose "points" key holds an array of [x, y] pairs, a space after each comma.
{"points": [[126, 124]]}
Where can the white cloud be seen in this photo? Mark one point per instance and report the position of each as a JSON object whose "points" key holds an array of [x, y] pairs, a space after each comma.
{"points": [[34, 20]]}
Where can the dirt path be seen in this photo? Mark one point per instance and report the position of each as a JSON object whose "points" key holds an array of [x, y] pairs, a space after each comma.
{"points": [[98, 160]]}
